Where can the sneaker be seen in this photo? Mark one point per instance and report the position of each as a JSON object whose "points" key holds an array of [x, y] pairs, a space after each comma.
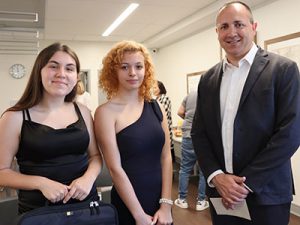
{"points": [[182, 203], [201, 205]]}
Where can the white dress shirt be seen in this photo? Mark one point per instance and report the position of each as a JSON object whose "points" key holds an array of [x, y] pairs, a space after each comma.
{"points": [[232, 85]]}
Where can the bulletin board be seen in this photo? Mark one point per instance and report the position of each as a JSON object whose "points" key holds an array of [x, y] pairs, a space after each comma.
{"points": [[192, 81]]}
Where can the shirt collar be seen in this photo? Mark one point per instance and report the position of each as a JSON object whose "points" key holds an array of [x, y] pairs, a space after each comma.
{"points": [[249, 57]]}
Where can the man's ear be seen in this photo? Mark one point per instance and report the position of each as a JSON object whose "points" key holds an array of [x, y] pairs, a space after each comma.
{"points": [[254, 26]]}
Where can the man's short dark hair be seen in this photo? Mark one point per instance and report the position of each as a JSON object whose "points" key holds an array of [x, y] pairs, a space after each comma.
{"points": [[238, 2]]}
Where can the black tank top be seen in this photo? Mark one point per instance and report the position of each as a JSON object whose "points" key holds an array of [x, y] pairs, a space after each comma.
{"points": [[58, 154]]}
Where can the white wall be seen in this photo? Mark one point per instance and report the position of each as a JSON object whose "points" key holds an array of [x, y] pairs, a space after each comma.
{"points": [[201, 52], [173, 63], [10, 88]]}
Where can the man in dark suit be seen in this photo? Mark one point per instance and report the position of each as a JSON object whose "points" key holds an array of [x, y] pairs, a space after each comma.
{"points": [[247, 124]]}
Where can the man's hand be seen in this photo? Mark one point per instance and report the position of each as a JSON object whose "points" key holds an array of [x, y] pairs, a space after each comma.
{"points": [[231, 188]]}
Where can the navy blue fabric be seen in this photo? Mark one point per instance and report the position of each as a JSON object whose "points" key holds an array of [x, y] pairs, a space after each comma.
{"points": [[266, 129], [140, 145], [84, 213]]}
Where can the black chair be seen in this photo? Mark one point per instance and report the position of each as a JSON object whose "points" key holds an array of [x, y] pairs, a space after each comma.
{"points": [[104, 184], [8, 211]]}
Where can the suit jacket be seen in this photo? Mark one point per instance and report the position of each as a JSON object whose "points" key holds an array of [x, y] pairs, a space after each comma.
{"points": [[266, 127]]}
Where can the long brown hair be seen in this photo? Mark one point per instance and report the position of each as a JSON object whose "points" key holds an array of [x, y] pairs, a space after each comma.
{"points": [[33, 93], [108, 79]]}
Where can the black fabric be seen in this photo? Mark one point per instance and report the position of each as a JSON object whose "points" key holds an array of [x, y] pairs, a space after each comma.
{"points": [[140, 145], [58, 154]]}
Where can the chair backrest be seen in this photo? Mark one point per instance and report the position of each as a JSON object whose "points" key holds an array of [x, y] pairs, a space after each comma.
{"points": [[8, 211], [104, 178]]}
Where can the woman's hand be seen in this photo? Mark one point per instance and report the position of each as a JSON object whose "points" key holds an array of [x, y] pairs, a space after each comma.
{"points": [[53, 191], [79, 189], [144, 220], [163, 216]]}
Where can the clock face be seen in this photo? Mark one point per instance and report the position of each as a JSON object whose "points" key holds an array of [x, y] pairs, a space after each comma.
{"points": [[17, 71]]}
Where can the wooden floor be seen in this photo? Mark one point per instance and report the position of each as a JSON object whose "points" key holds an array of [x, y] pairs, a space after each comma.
{"points": [[192, 217]]}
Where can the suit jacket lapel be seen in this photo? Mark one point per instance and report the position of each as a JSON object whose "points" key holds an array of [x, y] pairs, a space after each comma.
{"points": [[218, 80], [259, 63]]}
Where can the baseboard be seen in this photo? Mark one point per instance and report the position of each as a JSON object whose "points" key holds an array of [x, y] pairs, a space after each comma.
{"points": [[295, 209]]}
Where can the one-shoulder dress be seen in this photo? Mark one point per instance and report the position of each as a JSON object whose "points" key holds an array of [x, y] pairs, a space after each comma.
{"points": [[140, 145], [58, 154]]}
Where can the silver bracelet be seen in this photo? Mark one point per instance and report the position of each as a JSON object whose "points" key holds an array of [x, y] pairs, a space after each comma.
{"points": [[165, 200]]}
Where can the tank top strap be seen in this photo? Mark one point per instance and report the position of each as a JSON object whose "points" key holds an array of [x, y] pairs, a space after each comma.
{"points": [[156, 109], [26, 115], [78, 111]]}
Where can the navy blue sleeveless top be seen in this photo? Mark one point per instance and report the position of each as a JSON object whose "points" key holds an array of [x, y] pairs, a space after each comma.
{"points": [[140, 145], [58, 154]]}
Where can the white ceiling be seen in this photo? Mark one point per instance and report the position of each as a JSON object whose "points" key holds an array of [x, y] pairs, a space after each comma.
{"points": [[156, 23]]}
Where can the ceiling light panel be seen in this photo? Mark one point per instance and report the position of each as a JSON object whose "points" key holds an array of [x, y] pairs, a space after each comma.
{"points": [[19, 33], [18, 16], [120, 19]]}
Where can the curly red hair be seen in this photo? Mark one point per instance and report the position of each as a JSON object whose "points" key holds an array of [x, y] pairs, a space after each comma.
{"points": [[108, 79]]}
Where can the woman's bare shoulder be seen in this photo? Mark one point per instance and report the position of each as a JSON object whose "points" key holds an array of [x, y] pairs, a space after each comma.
{"points": [[110, 107], [106, 115], [11, 119], [12, 116]]}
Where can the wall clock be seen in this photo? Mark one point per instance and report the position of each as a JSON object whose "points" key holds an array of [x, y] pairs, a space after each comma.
{"points": [[17, 71]]}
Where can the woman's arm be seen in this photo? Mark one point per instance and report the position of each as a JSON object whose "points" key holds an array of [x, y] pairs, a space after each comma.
{"points": [[164, 216], [10, 129]]}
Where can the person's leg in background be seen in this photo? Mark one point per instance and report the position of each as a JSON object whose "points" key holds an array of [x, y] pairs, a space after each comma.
{"points": [[187, 163], [201, 201]]}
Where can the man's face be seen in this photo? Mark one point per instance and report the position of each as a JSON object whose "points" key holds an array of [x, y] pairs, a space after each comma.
{"points": [[235, 31]]}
